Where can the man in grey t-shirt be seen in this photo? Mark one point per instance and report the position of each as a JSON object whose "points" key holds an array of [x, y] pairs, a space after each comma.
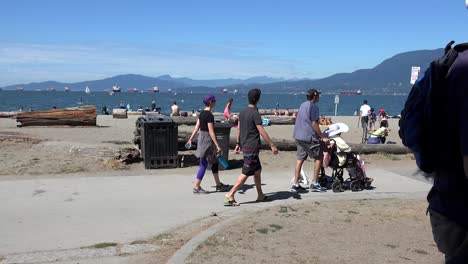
{"points": [[248, 139], [309, 140]]}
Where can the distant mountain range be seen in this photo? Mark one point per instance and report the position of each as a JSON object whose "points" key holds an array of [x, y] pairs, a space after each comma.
{"points": [[390, 76]]}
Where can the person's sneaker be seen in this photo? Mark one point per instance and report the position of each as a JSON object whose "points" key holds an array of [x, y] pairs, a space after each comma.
{"points": [[316, 187], [199, 191], [298, 189], [221, 187]]}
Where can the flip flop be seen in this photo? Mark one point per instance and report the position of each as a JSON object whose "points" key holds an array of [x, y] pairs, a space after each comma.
{"points": [[265, 199], [231, 203]]}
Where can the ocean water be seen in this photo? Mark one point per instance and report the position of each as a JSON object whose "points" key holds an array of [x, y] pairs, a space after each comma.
{"points": [[13, 100]]}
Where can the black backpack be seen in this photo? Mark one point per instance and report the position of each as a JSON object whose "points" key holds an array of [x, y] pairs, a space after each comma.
{"points": [[425, 108]]}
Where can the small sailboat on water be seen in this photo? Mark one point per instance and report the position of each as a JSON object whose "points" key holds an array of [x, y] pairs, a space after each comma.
{"points": [[87, 90]]}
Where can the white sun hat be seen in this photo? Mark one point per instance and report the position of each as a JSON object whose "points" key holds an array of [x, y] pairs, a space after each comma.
{"points": [[337, 128]]}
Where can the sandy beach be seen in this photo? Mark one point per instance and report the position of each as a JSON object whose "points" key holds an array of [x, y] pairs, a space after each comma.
{"points": [[357, 230], [75, 150]]}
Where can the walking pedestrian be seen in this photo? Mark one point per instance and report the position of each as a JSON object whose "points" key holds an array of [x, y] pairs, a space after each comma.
{"points": [[364, 111], [208, 147], [309, 140], [248, 140], [448, 198]]}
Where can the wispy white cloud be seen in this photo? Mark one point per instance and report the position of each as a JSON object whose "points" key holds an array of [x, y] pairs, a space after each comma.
{"points": [[23, 62]]}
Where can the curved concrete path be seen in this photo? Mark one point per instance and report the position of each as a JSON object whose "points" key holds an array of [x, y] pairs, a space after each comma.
{"points": [[58, 213]]}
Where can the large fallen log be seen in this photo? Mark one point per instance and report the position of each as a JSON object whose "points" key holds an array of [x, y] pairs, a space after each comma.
{"points": [[274, 120], [290, 145], [76, 116]]}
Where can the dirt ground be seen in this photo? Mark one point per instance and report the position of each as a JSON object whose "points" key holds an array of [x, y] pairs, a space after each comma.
{"points": [[353, 231]]}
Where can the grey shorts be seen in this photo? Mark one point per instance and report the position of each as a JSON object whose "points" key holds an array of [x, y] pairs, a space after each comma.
{"points": [[312, 149], [451, 239]]}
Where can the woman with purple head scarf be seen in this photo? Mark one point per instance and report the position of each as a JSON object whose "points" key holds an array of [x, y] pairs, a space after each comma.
{"points": [[207, 147]]}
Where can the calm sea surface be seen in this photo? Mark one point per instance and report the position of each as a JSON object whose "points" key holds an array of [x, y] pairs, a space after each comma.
{"points": [[13, 100]]}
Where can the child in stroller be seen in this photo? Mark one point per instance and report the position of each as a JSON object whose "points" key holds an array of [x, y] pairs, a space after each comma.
{"points": [[339, 157]]}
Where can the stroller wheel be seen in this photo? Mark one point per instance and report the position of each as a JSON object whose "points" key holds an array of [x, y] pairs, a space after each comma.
{"points": [[337, 186], [355, 186]]}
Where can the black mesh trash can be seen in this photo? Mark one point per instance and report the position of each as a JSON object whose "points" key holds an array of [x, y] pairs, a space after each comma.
{"points": [[159, 147], [222, 131]]}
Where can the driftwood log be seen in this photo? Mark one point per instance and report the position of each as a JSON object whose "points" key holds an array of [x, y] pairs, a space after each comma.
{"points": [[77, 116], [290, 145], [274, 120]]}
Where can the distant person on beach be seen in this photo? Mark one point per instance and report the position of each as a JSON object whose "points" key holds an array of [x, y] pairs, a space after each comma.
{"points": [[372, 119], [153, 106], [325, 121], [309, 140], [122, 105], [175, 109], [286, 112], [207, 146], [248, 140], [105, 110], [364, 112], [381, 111], [277, 112], [21, 109], [448, 198], [380, 135], [128, 107], [227, 109], [54, 107], [140, 109]]}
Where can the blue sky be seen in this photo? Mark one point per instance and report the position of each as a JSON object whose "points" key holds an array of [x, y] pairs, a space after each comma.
{"points": [[82, 40]]}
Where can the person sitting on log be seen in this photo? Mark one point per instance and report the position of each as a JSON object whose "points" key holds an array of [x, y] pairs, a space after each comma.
{"points": [[380, 135], [286, 113], [277, 112]]}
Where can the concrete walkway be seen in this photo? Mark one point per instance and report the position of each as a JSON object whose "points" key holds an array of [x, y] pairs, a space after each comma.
{"points": [[60, 213]]}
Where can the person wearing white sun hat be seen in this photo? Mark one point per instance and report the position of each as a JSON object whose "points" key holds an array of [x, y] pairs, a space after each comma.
{"points": [[342, 148]]}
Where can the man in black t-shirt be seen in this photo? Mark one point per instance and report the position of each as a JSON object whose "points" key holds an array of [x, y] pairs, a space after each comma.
{"points": [[248, 139]]}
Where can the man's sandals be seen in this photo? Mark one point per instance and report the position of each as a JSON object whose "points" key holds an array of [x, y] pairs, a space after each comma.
{"points": [[231, 202]]}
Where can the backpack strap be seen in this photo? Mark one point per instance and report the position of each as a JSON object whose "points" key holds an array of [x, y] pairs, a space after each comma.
{"points": [[461, 47]]}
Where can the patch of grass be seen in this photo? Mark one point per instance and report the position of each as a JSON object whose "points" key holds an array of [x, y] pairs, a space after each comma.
{"points": [[348, 220], [105, 245], [420, 251], [118, 142], [352, 212], [283, 209], [275, 227], [263, 231], [37, 192], [72, 169], [391, 156], [307, 211], [138, 242], [390, 246], [164, 236]]}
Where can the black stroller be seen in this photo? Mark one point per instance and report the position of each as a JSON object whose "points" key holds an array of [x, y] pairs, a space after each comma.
{"points": [[357, 180]]}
